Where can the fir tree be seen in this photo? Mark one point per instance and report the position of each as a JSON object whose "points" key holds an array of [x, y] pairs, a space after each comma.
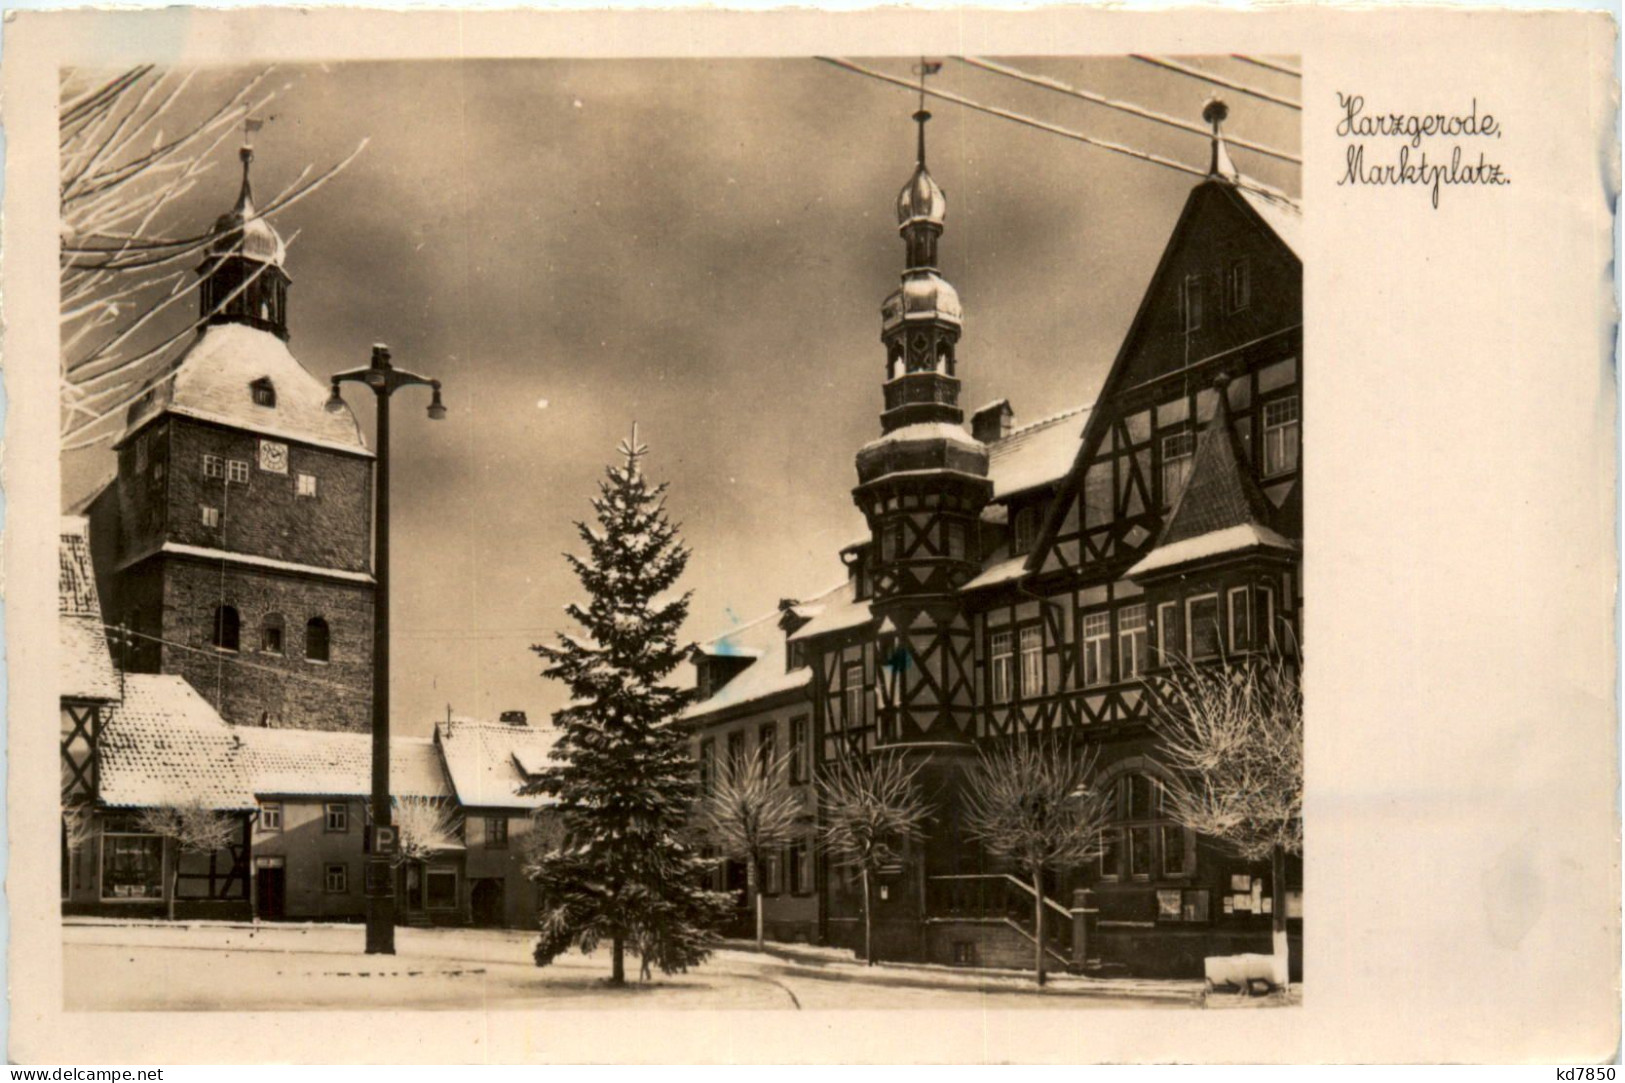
{"points": [[623, 871]]}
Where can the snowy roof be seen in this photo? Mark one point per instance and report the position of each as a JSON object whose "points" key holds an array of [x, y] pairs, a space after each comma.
{"points": [[1002, 572], [270, 563], [842, 611], [1036, 454], [924, 430], [84, 664], [296, 762], [764, 640], [1235, 539], [164, 744], [489, 761], [211, 381]]}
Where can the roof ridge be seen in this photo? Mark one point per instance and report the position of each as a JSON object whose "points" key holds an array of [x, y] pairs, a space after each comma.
{"points": [[1044, 422]]}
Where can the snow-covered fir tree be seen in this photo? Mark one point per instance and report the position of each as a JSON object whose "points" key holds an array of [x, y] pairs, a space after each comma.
{"points": [[623, 871]]}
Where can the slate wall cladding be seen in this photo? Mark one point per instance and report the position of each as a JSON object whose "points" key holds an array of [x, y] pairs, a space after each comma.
{"points": [[265, 516], [285, 690]]}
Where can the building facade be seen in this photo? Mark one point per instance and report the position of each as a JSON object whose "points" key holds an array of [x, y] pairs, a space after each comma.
{"points": [[237, 528], [1040, 580]]}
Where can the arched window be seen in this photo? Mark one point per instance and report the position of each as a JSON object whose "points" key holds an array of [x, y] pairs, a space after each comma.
{"points": [[1143, 842], [263, 391], [271, 633], [227, 628], [317, 642]]}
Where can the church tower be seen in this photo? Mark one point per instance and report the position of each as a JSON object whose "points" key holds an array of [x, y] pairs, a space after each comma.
{"points": [[236, 535], [921, 486]]}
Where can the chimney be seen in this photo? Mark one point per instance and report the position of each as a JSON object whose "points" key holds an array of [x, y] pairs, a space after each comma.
{"points": [[513, 718], [993, 422]]}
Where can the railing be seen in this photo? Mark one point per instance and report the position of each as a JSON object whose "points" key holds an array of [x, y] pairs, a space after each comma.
{"points": [[999, 897]]}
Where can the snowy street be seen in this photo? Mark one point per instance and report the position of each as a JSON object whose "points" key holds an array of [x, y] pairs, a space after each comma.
{"points": [[157, 967]]}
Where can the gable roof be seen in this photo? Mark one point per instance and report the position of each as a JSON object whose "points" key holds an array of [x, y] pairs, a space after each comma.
{"points": [[163, 744], [1221, 509], [84, 663], [211, 381], [1274, 217], [489, 761], [332, 764]]}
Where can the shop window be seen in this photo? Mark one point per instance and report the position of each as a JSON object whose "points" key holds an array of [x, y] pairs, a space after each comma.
{"points": [[1097, 639], [227, 630], [1202, 627], [1000, 666], [1131, 641], [132, 866], [318, 641], [440, 889], [1281, 436]]}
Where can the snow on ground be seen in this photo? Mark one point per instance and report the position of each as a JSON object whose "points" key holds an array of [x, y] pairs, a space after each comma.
{"points": [[209, 966]]}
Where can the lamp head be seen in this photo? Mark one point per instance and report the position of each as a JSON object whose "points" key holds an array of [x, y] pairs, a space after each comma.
{"points": [[335, 401], [437, 409]]}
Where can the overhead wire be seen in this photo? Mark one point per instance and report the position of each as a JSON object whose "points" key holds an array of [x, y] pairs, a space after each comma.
{"points": [[1053, 129], [1216, 80], [1130, 108]]}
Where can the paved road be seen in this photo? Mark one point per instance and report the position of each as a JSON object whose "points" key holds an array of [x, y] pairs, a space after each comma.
{"points": [[280, 968]]}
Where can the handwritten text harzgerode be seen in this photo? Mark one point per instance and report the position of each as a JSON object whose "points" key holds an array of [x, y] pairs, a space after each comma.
{"points": [[1396, 152]]}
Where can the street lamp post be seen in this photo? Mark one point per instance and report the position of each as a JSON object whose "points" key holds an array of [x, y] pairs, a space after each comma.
{"points": [[385, 380]]}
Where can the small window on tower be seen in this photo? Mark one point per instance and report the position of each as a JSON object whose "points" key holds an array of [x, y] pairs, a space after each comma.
{"points": [[264, 393], [237, 470], [318, 647], [226, 628], [307, 484], [214, 466], [210, 516], [271, 634]]}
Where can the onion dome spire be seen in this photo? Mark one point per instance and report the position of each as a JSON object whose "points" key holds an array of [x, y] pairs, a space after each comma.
{"points": [[243, 276]]}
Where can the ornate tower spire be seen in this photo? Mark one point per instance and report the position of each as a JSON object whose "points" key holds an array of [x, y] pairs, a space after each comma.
{"points": [[243, 278], [920, 321], [921, 486]]}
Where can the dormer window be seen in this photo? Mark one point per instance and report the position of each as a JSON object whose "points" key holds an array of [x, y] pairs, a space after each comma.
{"points": [[263, 391]]}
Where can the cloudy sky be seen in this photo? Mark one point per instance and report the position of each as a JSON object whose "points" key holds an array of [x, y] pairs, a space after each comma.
{"points": [[702, 247]]}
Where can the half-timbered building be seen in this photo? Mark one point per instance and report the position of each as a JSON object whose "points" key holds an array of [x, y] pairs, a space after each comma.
{"points": [[1039, 579]]}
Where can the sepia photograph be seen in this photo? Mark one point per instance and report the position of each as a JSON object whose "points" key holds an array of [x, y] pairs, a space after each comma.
{"points": [[751, 533]]}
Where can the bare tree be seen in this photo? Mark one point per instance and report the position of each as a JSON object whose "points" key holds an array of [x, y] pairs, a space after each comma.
{"points": [[1031, 801], [130, 147], [424, 826], [870, 809], [187, 828], [750, 812], [1233, 735], [78, 827]]}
